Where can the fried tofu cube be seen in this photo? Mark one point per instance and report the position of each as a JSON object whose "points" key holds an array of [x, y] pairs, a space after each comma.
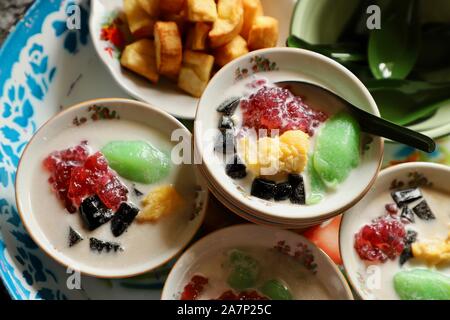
{"points": [[191, 83], [229, 24], [151, 7], [168, 48], [189, 39], [196, 72], [140, 23], [200, 62], [198, 36], [178, 18], [232, 50], [252, 9], [201, 10], [171, 6], [140, 57], [264, 33]]}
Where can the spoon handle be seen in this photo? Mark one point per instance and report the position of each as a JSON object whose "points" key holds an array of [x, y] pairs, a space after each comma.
{"points": [[383, 128]]}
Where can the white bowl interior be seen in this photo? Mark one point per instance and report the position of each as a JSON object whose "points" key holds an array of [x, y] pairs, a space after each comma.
{"points": [[251, 235], [165, 95], [293, 64], [129, 110], [352, 220]]}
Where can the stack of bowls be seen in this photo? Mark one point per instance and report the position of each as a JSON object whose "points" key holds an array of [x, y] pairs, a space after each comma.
{"points": [[284, 64]]}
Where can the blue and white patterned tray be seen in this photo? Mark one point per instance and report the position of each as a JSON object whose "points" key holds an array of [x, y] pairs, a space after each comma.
{"points": [[45, 67]]}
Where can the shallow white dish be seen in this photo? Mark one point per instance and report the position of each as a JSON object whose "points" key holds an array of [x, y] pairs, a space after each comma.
{"points": [[165, 95], [370, 281], [286, 64], [166, 239], [251, 235]]}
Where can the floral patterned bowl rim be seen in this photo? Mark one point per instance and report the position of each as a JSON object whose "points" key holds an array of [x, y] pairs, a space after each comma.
{"points": [[280, 64], [246, 235], [437, 174], [92, 110], [165, 95]]}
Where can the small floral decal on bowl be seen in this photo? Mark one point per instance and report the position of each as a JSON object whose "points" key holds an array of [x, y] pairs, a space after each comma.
{"points": [[114, 32], [97, 113], [415, 180], [301, 253], [258, 64]]}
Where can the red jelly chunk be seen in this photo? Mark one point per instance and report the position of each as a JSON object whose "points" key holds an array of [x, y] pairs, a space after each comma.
{"points": [[383, 239], [111, 191], [95, 177], [61, 164], [75, 176], [228, 295], [194, 288], [277, 108]]}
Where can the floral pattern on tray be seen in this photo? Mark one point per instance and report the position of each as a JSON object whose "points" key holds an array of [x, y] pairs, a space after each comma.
{"points": [[24, 83]]}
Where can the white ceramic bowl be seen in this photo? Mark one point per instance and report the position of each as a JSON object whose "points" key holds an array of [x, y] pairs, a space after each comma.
{"points": [[251, 235], [165, 95], [290, 64], [359, 277], [130, 110]]}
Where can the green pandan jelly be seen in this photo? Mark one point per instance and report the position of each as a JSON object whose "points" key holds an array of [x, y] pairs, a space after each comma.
{"points": [[317, 188], [422, 284], [244, 270], [337, 149], [137, 161], [276, 290]]}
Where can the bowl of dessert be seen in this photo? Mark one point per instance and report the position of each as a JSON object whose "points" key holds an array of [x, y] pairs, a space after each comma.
{"points": [[99, 189], [395, 243], [280, 156], [250, 262]]}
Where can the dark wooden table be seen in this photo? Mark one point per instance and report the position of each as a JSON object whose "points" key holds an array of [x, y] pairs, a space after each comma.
{"points": [[11, 12]]}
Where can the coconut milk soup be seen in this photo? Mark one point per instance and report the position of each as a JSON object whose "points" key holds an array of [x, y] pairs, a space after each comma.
{"points": [[282, 146], [107, 194], [406, 244], [251, 273]]}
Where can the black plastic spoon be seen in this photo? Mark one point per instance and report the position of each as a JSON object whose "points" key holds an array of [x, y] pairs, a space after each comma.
{"points": [[368, 122]]}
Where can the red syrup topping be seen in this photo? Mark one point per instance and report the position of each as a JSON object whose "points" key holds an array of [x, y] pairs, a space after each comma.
{"points": [[383, 239], [277, 108], [194, 288], [75, 175]]}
